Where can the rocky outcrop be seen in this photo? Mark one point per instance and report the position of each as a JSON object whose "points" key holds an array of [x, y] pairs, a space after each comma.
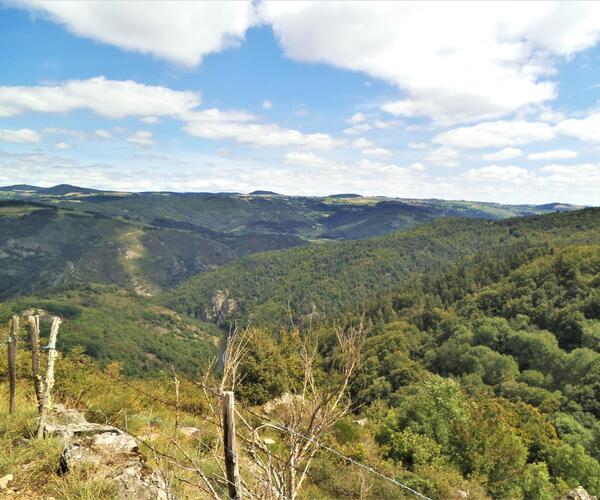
{"points": [[284, 401], [579, 493], [113, 454], [222, 306]]}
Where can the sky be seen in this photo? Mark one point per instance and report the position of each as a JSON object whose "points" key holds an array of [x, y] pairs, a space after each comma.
{"points": [[481, 101]]}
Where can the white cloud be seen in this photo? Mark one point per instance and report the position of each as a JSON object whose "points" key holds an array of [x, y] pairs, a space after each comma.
{"points": [[442, 157], [550, 116], [585, 174], [182, 32], [111, 98], [65, 132], [557, 154], [239, 126], [517, 175], [141, 138], [20, 135], [266, 104], [360, 124], [150, 120], [304, 159], [417, 145], [103, 134], [584, 129], [496, 134], [361, 143], [503, 154], [357, 118], [454, 61], [381, 152], [358, 128], [62, 145]]}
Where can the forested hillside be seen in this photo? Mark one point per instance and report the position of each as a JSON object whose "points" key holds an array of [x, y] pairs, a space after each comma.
{"points": [[331, 277], [490, 367], [43, 247]]}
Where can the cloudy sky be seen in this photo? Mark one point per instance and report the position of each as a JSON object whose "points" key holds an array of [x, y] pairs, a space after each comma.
{"points": [[483, 101]]}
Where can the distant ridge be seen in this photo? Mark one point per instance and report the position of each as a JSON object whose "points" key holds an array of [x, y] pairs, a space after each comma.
{"points": [[20, 187], [59, 189], [259, 192], [345, 195], [560, 207], [62, 189]]}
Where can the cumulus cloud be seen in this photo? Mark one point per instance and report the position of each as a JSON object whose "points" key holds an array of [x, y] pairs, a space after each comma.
{"points": [[454, 61], [180, 31], [103, 134], [361, 143], [150, 120], [381, 152], [443, 157], [62, 145], [357, 118], [110, 98], [556, 154], [19, 136], [503, 154], [496, 134], [417, 145], [240, 126], [584, 129], [304, 158], [498, 173], [141, 138]]}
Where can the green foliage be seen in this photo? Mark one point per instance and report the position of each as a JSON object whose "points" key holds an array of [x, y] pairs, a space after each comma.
{"points": [[111, 324], [335, 277]]}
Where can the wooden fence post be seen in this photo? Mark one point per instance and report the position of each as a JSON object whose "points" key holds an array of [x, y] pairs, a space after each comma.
{"points": [[47, 397], [234, 482], [176, 380], [13, 338], [34, 339]]}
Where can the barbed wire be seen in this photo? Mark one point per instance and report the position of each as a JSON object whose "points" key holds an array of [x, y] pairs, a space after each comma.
{"points": [[282, 428]]}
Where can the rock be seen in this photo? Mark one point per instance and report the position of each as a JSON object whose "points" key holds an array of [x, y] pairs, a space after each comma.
{"points": [[5, 480], [221, 306], [579, 493], [114, 455], [64, 416], [114, 442], [137, 482], [461, 494], [286, 400], [361, 421]]}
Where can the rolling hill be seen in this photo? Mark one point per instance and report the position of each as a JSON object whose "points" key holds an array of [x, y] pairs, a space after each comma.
{"points": [[331, 277]]}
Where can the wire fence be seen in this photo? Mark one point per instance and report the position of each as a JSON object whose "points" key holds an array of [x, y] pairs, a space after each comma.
{"points": [[278, 425]]}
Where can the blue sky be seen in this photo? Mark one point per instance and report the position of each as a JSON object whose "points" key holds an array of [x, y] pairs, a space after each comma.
{"points": [[454, 100]]}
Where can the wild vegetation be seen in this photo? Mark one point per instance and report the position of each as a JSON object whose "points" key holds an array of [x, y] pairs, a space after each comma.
{"points": [[330, 278]]}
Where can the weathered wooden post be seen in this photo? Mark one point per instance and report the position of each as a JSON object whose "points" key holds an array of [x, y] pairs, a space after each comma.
{"points": [[234, 482], [47, 397], [34, 339], [13, 338], [176, 381]]}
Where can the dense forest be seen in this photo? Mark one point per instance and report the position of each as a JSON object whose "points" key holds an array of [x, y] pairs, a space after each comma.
{"points": [[329, 278], [490, 368]]}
